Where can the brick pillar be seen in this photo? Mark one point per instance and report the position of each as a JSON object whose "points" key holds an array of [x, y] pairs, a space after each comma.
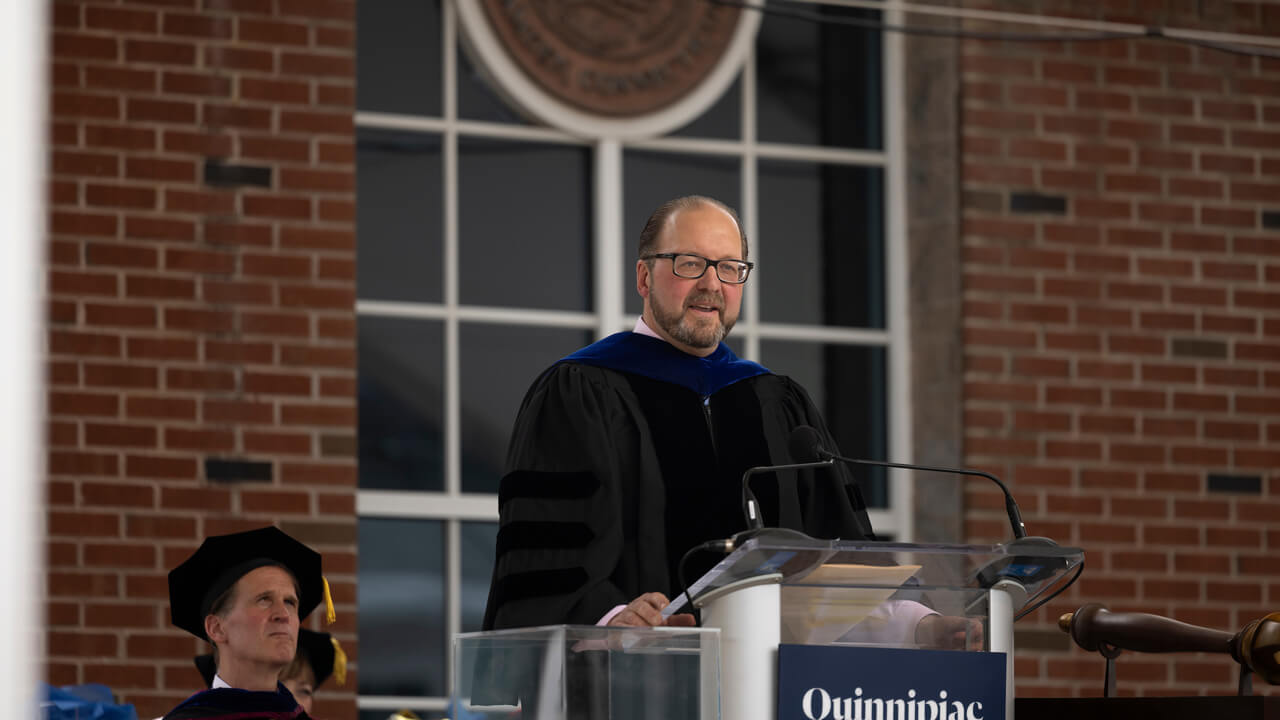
{"points": [[1122, 325], [201, 339]]}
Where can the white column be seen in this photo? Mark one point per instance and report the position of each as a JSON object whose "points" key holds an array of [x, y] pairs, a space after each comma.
{"points": [[748, 617], [23, 70], [1002, 598]]}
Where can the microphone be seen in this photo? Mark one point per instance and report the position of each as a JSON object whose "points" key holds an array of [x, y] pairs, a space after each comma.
{"points": [[806, 444], [751, 506]]}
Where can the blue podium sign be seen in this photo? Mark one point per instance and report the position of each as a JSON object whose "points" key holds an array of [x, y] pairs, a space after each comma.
{"points": [[830, 682]]}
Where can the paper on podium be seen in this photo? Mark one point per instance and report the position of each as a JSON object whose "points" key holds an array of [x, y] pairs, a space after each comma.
{"points": [[834, 597]]}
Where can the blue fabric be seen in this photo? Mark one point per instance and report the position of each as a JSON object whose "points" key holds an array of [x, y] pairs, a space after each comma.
{"points": [[660, 360], [91, 701]]}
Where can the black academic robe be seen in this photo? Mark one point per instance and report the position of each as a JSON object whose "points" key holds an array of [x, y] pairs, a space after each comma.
{"points": [[231, 703], [628, 453]]}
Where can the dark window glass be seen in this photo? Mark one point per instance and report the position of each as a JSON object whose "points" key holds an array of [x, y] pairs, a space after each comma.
{"points": [[401, 386], [723, 120], [819, 83], [524, 225], [400, 595], [849, 384], [399, 216], [736, 344], [398, 57], [651, 179], [479, 541], [822, 244], [499, 363], [476, 98]]}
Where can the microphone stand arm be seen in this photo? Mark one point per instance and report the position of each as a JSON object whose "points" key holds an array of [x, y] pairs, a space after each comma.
{"points": [[751, 506], [1011, 507]]}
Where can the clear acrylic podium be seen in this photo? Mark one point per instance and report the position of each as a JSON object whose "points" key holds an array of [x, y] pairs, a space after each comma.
{"points": [[785, 587], [575, 672], [777, 587]]}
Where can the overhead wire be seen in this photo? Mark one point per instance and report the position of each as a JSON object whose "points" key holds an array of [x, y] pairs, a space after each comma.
{"points": [[1150, 32]]}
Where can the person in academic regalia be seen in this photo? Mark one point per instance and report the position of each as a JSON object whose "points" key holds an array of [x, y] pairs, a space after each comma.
{"points": [[246, 594], [319, 657], [630, 451]]}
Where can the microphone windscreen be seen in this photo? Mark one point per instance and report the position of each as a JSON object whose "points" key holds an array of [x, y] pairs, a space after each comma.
{"points": [[805, 444]]}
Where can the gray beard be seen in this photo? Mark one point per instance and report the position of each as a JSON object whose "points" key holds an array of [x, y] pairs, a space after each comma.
{"points": [[676, 325]]}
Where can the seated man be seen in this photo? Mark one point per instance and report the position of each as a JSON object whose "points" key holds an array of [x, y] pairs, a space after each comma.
{"points": [[246, 593], [319, 656]]}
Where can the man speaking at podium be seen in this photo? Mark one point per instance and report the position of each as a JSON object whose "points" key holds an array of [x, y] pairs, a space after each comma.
{"points": [[630, 451]]}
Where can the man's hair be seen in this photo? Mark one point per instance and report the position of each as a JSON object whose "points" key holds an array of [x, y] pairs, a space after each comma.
{"points": [[658, 220]]}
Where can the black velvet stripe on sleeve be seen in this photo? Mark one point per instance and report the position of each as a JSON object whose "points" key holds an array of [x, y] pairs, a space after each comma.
{"points": [[530, 535], [546, 485], [539, 583]]}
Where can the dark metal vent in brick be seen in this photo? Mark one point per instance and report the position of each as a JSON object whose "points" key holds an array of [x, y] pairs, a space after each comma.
{"points": [[1191, 347], [1271, 219], [1248, 484], [1037, 203], [221, 175], [232, 471]]}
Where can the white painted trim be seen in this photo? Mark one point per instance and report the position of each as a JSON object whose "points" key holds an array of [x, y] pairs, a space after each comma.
{"points": [[427, 505], [898, 397], [492, 58], [452, 595], [750, 211], [824, 333], [24, 69], [452, 361], [773, 151], [476, 128], [475, 313], [690, 146], [391, 703], [609, 258]]}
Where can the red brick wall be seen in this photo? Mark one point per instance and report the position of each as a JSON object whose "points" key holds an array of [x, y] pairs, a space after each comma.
{"points": [[190, 321], [1124, 348]]}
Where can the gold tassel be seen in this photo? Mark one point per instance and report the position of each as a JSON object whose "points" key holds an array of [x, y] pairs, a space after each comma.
{"points": [[339, 662], [329, 615]]}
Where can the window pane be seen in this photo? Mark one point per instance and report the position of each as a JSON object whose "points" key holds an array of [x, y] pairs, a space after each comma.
{"points": [[398, 64], [400, 594], [723, 120], [499, 363], [849, 385], [479, 543], [525, 224], [819, 83], [401, 400], [477, 100], [651, 179], [821, 258], [399, 211]]}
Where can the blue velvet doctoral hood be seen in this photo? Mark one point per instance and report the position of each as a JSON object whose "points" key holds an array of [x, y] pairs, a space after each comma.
{"points": [[658, 359]]}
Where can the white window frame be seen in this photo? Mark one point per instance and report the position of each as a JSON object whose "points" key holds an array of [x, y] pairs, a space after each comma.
{"points": [[453, 507]]}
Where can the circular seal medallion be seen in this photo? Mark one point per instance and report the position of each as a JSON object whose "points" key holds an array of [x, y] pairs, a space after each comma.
{"points": [[609, 67]]}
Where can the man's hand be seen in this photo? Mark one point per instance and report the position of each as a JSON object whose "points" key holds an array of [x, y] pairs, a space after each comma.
{"points": [[949, 633], [646, 611]]}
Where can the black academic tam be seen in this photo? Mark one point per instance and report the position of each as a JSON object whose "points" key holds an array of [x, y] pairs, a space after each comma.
{"points": [[223, 559]]}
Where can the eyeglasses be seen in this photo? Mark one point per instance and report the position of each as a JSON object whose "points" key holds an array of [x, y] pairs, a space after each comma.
{"points": [[692, 267]]}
